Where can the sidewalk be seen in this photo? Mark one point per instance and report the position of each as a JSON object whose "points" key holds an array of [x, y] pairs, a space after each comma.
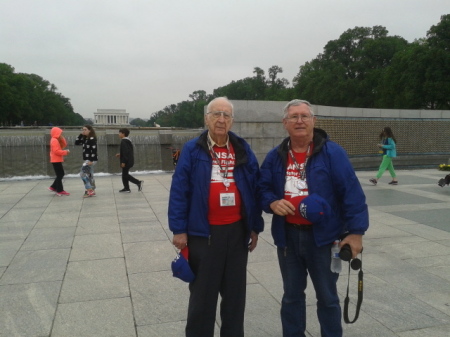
{"points": [[101, 266]]}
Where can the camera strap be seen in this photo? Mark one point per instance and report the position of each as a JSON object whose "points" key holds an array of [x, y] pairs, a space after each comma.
{"points": [[360, 295]]}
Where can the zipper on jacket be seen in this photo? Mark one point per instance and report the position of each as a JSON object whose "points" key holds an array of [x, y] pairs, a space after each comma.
{"points": [[209, 240]]}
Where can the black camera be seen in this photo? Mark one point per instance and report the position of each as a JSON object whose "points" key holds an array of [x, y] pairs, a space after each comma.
{"points": [[346, 253]]}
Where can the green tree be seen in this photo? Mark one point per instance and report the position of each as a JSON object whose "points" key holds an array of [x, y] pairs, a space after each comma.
{"points": [[138, 122], [28, 98], [348, 71], [419, 77]]}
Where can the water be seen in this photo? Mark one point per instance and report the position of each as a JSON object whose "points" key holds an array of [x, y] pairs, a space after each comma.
{"points": [[24, 154]]}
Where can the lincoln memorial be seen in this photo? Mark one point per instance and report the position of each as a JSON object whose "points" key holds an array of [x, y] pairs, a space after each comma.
{"points": [[111, 117]]}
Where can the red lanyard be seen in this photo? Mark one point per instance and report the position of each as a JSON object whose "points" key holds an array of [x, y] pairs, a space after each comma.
{"points": [[301, 171]]}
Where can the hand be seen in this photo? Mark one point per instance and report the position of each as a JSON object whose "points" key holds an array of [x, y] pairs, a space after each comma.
{"points": [[380, 145], [68, 151], [355, 243], [180, 240], [282, 207], [253, 241], [117, 155], [122, 165]]}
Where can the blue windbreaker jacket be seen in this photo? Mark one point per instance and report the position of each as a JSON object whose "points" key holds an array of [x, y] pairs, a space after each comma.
{"points": [[329, 174], [189, 192]]}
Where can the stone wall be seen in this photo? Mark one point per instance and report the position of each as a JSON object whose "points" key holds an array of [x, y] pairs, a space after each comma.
{"points": [[423, 136]]}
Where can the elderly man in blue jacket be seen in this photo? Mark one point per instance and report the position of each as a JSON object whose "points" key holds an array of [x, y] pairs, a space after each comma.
{"points": [[213, 208], [306, 164]]}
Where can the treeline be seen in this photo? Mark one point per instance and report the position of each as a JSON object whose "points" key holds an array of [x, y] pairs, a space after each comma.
{"points": [[28, 99], [364, 67]]}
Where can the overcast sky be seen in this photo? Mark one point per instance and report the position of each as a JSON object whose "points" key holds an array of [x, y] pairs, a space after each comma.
{"points": [[141, 55]]}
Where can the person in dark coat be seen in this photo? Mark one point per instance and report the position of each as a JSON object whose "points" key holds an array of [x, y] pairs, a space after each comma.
{"points": [[126, 156]]}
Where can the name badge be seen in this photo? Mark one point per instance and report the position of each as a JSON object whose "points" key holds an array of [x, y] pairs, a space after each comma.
{"points": [[227, 199]]}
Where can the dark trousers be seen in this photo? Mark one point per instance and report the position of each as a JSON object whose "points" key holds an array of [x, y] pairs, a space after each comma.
{"points": [[126, 178], [59, 171], [300, 258], [220, 267]]}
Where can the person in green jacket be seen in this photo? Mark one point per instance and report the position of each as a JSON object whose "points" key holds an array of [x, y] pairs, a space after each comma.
{"points": [[388, 146]]}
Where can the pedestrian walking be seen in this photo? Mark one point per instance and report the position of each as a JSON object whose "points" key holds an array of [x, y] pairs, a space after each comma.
{"points": [[126, 156], [388, 145]]}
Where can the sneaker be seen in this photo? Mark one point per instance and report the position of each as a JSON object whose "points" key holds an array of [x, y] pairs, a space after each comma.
{"points": [[51, 189], [88, 194], [393, 182], [124, 190], [60, 194], [373, 181], [140, 185], [441, 182]]}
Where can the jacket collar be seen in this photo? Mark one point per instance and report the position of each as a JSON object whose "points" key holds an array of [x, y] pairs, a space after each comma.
{"points": [[236, 141], [319, 139]]}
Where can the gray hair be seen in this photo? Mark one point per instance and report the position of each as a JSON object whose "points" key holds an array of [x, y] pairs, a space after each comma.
{"points": [[296, 102], [208, 107]]}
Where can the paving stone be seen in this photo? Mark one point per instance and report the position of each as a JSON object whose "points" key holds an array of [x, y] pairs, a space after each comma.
{"points": [[400, 311], [28, 309], [143, 232], [36, 266], [158, 297], [15, 230], [95, 280], [49, 238], [98, 225], [96, 246], [170, 329], [101, 318], [118, 275], [144, 257]]}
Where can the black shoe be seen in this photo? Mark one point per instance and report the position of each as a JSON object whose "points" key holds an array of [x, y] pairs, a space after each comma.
{"points": [[140, 185], [373, 181], [125, 190], [393, 182], [441, 182]]}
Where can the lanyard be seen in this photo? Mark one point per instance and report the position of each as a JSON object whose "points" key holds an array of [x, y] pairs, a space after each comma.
{"points": [[225, 181], [360, 295], [301, 171]]}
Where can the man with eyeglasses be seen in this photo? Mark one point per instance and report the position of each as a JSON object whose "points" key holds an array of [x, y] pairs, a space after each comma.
{"points": [[213, 209], [307, 164]]}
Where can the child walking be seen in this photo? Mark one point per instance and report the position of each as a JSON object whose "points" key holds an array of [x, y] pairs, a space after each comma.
{"points": [[88, 139], [126, 156], [57, 153], [388, 144]]}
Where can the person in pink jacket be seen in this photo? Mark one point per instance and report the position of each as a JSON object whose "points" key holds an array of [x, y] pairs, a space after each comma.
{"points": [[57, 153]]}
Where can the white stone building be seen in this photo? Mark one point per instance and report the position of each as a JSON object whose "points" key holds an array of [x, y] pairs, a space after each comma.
{"points": [[111, 117]]}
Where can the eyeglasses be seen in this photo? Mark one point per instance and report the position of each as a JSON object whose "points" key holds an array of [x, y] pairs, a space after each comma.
{"points": [[216, 115], [295, 118]]}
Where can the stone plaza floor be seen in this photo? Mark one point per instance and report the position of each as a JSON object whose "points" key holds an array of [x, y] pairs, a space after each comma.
{"points": [[101, 266]]}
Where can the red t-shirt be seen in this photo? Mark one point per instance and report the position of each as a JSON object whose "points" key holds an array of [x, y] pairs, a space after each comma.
{"points": [[291, 191], [224, 202]]}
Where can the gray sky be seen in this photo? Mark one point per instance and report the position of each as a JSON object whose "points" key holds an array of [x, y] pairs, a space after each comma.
{"points": [[141, 55]]}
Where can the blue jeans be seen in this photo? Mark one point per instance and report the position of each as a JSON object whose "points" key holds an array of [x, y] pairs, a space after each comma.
{"points": [[300, 257], [87, 175]]}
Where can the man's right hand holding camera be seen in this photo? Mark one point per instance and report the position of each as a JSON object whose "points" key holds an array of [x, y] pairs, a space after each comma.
{"points": [[355, 243]]}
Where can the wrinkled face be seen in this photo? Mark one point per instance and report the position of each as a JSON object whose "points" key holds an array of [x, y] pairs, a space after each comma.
{"points": [[299, 122], [219, 119]]}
